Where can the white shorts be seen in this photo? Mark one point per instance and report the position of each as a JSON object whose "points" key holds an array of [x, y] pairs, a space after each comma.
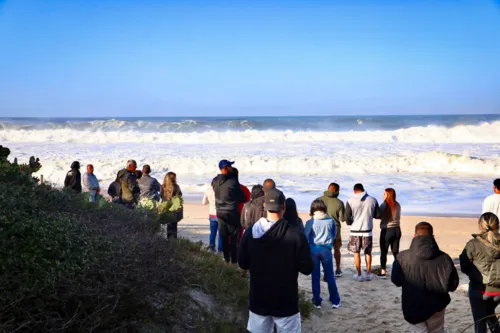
{"points": [[265, 324]]}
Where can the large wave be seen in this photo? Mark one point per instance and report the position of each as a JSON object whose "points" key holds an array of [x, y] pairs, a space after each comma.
{"points": [[116, 131]]}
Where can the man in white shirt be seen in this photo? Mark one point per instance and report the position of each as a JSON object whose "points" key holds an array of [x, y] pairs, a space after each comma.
{"points": [[209, 199], [492, 203], [91, 183]]}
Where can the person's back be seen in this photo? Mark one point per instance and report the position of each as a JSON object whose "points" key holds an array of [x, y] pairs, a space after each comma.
{"points": [[228, 193], [360, 211], [492, 203], [129, 187], [73, 178], [320, 230], [252, 212], [149, 186], [274, 252], [426, 275]]}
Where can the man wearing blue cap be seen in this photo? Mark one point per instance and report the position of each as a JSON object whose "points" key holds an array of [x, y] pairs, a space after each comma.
{"points": [[228, 194]]}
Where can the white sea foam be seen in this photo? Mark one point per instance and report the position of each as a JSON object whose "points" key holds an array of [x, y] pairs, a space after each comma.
{"points": [[482, 133]]}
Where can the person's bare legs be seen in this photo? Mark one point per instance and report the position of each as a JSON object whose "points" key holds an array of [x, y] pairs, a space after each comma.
{"points": [[337, 256], [368, 260], [357, 262]]}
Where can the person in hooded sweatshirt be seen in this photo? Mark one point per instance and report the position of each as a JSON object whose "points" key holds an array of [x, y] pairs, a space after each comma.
{"points": [[426, 275], [73, 178], [320, 231], [480, 260], [360, 211], [254, 209], [228, 195], [275, 252], [336, 210], [130, 190], [91, 183]]}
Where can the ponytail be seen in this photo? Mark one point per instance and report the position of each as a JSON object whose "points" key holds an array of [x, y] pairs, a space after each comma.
{"points": [[489, 225]]}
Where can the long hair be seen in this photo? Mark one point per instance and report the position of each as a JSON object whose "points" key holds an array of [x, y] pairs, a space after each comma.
{"points": [[318, 205], [291, 214], [169, 186], [391, 202], [488, 223]]}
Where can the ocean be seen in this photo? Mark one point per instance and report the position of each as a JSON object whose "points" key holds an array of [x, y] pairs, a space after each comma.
{"points": [[439, 165]]}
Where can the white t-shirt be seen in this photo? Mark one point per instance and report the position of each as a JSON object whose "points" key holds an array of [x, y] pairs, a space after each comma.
{"points": [[209, 199], [492, 204]]}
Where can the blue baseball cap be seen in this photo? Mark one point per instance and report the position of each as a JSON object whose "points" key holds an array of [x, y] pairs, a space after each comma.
{"points": [[224, 163]]}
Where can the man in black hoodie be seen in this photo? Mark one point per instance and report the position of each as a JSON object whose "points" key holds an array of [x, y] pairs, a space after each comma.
{"points": [[228, 194], [427, 275], [275, 252], [73, 178]]}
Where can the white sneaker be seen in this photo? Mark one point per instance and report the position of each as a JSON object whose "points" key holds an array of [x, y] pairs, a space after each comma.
{"points": [[359, 278], [369, 277], [317, 306], [335, 306]]}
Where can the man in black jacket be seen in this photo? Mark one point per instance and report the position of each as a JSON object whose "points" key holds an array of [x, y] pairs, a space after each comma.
{"points": [[275, 252], [427, 275], [73, 178], [228, 194]]}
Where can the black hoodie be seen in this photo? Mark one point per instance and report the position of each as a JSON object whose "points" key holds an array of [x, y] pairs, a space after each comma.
{"points": [[275, 260], [426, 275], [73, 178], [228, 193]]}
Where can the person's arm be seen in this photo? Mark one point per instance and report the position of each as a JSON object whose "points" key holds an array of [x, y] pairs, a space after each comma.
{"points": [[155, 186], [466, 259], [179, 192], [308, 229], [305, 261], [341, 212], [204, 201], [486, 206], [334, 231], [377, 214], [244, 254], [453, 279], [348, 214], [85, 182], [397, 275]]}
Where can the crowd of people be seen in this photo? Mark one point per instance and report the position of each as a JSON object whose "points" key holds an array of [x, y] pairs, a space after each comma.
{"points": [[131, 188], [260, 230]]}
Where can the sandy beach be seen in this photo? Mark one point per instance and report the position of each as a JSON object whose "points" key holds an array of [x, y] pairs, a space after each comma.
{"points": [[369, 306]]}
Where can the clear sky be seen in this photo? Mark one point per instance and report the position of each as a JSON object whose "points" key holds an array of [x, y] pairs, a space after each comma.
{"points": [[202, 58]]}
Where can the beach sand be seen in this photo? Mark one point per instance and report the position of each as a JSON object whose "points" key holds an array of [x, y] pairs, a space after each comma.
{"points": [[373, 306]]}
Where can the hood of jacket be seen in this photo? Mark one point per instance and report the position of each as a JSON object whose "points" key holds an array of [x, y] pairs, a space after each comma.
{"points": [[268, 232], [221, 179], [424, 247], [259, 201], [492, 250], [329, 194], [122, 173]]}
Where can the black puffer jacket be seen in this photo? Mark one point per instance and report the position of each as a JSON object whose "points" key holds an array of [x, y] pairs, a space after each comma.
{"points": [[480, 260], [73, 178], [426, 275], [228, 193]]}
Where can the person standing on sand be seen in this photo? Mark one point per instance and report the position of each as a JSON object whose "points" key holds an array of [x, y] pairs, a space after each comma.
{"points": [[320, 231], [91, 183], [268, 184], [168, 191], [149, 186], [292, 216], [480, 260], [360, 211], [426, 275], [209, 199], [274, 252], [73, 178], [336, 211], [130, 190], [390, 233], [492, 203], [228, 195], [254, 209]]}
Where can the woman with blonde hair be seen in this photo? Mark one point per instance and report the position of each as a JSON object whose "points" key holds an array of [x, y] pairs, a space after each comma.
{"points": [[480, 260], [170, 190], [390, 233]]}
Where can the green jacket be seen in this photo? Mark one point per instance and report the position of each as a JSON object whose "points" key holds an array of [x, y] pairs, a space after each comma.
{"points": [[130, 187], [335, 207], [480, 260]]}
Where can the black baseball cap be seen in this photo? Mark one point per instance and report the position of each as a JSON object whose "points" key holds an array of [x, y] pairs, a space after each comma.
{"points": [[275, 200], [224, 163]]}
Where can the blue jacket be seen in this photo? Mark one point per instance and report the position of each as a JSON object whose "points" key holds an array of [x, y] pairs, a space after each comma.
{"points": [[320, 232]]}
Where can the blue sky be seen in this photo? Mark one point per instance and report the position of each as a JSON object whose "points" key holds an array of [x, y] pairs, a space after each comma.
{"points": [[202, 58]]}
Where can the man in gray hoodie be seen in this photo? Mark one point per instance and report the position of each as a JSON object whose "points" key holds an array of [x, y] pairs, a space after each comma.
{"points": [[360, 211], [336, 210]]}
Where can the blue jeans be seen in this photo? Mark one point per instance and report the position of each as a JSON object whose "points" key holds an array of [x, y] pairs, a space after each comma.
{"points": [[214, 227], [323, 257]]}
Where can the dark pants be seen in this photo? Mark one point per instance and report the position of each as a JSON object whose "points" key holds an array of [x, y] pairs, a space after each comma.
{"points": [[389, 237], [229, 229], [172, 230], [483, 307], [214, 228]]}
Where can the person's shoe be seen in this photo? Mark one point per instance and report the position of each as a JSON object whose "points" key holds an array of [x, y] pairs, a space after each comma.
{"points": [[338, 273], [359, 278], [335, 306], [369, 277], [317, 305], [382, 276]]}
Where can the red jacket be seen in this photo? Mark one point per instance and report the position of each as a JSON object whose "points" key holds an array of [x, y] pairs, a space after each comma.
{"points": [[247, 198]]}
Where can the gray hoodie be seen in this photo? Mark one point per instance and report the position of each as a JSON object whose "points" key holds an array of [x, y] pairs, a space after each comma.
{"points": [[360, 211]]}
